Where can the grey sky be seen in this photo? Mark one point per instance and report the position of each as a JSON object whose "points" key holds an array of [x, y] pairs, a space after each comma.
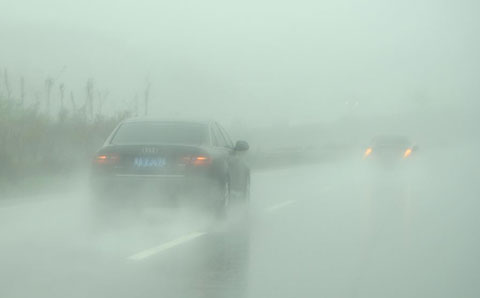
{"points": [[290, 59]]}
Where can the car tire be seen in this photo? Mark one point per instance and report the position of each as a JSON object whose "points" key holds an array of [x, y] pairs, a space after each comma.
{"points": [[243, 202], [246, 192], [222, 200]]}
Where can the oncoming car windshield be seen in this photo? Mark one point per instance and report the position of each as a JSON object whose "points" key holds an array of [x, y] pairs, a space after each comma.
{"points": [[391, 141], [160, 133]]}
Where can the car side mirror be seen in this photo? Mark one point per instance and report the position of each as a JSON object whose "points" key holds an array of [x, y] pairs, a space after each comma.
{"points": [[241, 146]]}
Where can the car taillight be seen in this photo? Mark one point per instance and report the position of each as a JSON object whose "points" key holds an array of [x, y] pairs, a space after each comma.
{"points": [[367, 152], [407, 153], [106, 159], [197, 160], [201, 160]]}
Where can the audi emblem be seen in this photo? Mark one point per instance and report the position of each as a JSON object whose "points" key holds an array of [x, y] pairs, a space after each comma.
{"points": [[150, 150]]}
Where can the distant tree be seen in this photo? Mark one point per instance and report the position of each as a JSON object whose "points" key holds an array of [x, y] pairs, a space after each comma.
{"points": [[22, 91], [89, 100], [135, 105], [101, 99], [48, 90], [147, 95], [6, 82], [61, 89], [72, 101]]}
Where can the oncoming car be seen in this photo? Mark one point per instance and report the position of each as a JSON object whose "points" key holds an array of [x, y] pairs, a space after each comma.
{"points": [[389, 149], [159, 162]]}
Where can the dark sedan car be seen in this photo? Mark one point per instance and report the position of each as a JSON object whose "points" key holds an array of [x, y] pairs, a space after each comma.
{"points": [[162, 162]]}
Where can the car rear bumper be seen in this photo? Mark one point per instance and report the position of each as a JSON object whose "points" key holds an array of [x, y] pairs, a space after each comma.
{"points": [[153, 188]]}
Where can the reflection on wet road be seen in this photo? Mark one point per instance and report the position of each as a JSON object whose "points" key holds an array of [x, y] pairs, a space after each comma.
{"points": [[333, 230]]}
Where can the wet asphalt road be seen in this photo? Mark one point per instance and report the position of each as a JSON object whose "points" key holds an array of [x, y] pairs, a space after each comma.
{"points": [[331, 230]]}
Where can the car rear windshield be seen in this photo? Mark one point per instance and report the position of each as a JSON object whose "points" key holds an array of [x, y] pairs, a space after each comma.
{"points": [[160, 133], [395, 141]]}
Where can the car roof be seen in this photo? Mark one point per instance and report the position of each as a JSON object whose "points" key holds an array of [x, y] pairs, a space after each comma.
{"points": [[391, 139]]}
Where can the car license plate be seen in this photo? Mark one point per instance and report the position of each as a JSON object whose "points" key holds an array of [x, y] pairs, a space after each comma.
{"points": [[149, 162]]}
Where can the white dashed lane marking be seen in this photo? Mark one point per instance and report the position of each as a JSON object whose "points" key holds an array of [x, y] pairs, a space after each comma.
{"points": [[279, 206], [166, 246], [189, 237]]}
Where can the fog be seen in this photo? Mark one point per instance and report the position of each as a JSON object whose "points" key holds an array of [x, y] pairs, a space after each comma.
{"points": [[299, 60], [309, 85]]}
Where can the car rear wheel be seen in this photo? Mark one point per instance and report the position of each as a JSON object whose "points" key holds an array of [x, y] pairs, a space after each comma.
{"points": [[222, 202], [242, 208], [246, 192]]}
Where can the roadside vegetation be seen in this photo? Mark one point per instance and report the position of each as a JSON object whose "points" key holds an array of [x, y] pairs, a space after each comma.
{"points": [[46, 136]]}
